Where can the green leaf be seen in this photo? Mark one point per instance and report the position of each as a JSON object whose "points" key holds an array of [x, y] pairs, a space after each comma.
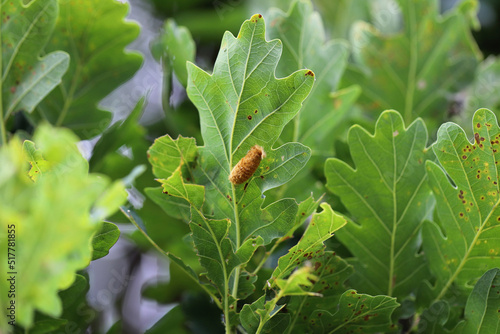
{"points": [[47, 326], [241, 104], [173, 206], [251, 107], [117, 135], [137, 221], [215, 250], [415, 71], [310, 245], [480, 94], [38, 164], [388, 198], [483, 305], [230, 137], [74, 300], [341, 14], [104, 239], [297, 283], [487, 81], [255, 317], [26, 77], [95, 35], [434, 318], [52, 249], [357, 313], [172, 322], [331, 271], [305, 45], [180, 151], [481, 310], [464, 243], [117, 328], [308, 312], [175, 47]]}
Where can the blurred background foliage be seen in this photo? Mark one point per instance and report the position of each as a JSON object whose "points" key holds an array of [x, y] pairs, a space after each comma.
{"points": [[154, 103]]}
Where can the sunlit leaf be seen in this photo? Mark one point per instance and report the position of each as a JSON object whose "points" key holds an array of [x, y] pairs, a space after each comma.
{"points": [[310, 245], [38, 164], [255, 317], [60, 213]]}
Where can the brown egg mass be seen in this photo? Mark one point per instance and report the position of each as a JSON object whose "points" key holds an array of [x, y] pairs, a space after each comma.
{"points": [[245, 168]]}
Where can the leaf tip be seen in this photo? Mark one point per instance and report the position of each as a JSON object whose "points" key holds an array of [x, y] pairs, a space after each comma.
{"points": [[256, 17]]}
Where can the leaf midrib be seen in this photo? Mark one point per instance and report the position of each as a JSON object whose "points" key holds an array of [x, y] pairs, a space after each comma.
{"points": [[469, 251]]}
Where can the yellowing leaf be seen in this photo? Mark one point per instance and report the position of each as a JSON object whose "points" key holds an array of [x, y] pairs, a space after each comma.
{"points": [[55, 218]]}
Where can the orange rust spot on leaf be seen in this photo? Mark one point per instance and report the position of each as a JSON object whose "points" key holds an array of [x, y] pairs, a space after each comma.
{"points": [[309, 73]]}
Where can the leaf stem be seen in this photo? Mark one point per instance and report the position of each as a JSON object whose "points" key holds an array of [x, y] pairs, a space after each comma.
{"points": [[268, 311], [167, 254], [238, 243], [225, 295]]}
